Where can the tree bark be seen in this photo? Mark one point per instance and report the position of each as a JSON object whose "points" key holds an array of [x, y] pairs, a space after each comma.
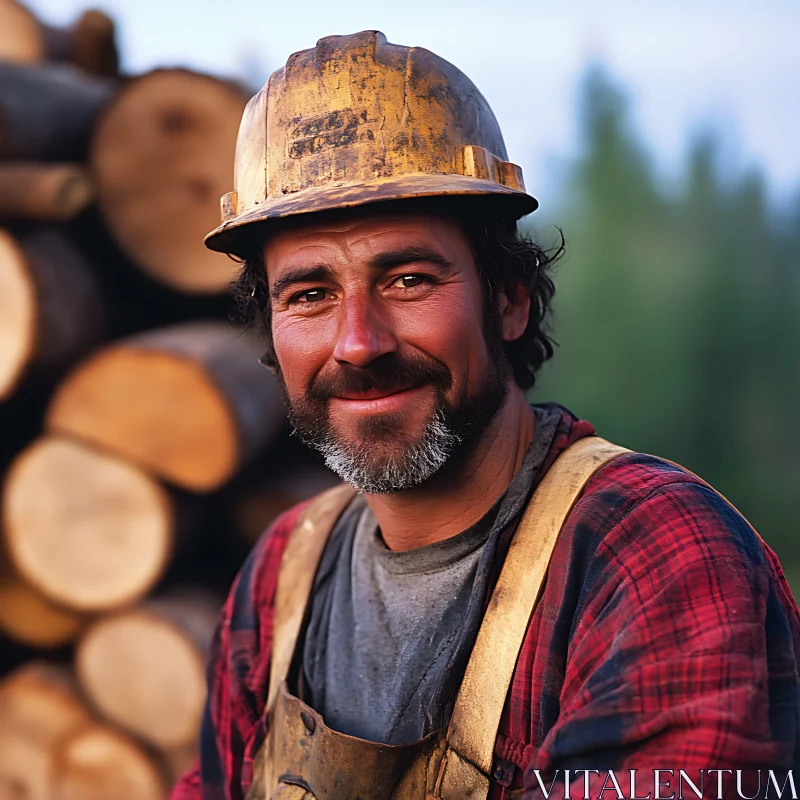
{"points": [[163, 156], [89, 43], [43, 192], [102, 538], [191, 403], [47, 111], [258, 504]]}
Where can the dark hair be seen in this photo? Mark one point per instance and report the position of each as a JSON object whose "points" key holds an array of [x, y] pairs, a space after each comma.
{"points": [[508, 262]]}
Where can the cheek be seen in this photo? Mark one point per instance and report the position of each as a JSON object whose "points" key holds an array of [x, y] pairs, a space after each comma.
{"points": [[449, 329], [301, 347]]}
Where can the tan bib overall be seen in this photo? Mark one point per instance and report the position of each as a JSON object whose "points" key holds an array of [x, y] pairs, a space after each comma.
{"points": [[303, 759]]}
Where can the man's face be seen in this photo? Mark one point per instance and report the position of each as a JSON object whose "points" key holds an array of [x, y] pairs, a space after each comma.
{"points": [[377, 324]]}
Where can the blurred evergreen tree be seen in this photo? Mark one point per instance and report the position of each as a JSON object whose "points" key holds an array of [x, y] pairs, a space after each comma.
{"points": [[678, 315]]}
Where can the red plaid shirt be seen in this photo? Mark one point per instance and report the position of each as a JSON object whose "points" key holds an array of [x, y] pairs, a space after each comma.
{"points": [[666, 637]]}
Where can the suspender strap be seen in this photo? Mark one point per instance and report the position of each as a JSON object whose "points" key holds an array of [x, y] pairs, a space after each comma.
{"points": [[298, 568], [479, 705], [467, 761]]}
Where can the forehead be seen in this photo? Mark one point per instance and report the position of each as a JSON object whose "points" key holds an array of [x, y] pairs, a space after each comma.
{"points": [[360, 237]]}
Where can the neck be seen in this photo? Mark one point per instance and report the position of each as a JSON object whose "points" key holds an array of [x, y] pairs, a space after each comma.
{"points": [[453, 500]]}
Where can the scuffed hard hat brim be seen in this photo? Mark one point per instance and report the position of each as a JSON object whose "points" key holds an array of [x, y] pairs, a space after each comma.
{"points": [[236, 235]]}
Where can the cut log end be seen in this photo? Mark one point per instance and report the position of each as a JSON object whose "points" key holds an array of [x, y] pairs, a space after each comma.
{"points": [[25, 768], [51, 310], [39, 701], [94, 46], [189, 403], [98, 763], [147, 674], [163, 155], [17, 313], [20, 34], [90, 43], [158, 410], [38, 707], [88, 530]]}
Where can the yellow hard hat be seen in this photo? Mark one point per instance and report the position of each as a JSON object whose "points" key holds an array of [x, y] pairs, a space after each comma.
{"points": [[357, 120]]}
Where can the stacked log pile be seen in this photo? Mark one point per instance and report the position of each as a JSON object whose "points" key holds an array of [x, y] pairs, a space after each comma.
{"points": [[142, 446]]}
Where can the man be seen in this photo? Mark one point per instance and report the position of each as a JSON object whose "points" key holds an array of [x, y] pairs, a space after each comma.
{"points": [[385, 640]]}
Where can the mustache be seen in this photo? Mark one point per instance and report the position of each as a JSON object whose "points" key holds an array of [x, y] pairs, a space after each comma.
{"points": [[383, 374]]}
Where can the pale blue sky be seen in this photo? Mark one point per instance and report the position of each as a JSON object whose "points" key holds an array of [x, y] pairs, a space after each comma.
{"points": [[734, 64]]}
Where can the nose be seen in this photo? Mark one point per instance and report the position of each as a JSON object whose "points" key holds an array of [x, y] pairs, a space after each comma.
{"points": [[364, 333]]}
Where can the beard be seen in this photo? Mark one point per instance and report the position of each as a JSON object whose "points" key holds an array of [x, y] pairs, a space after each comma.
{"points": [[381, 456]]}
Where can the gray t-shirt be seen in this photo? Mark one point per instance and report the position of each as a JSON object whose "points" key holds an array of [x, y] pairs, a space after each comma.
{"points": [[389, 633]]}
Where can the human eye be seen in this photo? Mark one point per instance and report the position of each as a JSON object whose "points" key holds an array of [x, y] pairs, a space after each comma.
{"points": [[410, 281], [309, 296]]}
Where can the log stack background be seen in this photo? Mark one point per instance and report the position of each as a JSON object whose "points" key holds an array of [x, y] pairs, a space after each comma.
{"points": [[143, 448]]}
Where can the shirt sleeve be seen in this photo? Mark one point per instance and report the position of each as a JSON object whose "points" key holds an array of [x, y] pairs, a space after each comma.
{"points": [[233, 726], [227, 719], [684, 653]]}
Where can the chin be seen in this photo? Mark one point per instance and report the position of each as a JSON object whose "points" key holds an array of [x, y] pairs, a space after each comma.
{"points": [[371, 429]]}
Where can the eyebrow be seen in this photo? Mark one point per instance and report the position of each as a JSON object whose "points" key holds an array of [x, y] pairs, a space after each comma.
{"points": [[409, 255], [297, 275], [383, 261]]}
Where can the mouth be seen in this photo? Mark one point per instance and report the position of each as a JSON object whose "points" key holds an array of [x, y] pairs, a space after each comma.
{"points": [[377, 401]]}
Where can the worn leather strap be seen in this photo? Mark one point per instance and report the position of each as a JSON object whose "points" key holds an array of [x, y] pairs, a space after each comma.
{"points": [[479, 705], [298, 568]]}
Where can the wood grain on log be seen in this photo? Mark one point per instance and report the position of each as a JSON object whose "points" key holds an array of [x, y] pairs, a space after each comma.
{"points": [[88, 530], [51, 309], [17, 313], [47, 111], [41, 700], [144, 668], [43, 192], [38, 706], [97, 762], [190, 403], [163, 155]]}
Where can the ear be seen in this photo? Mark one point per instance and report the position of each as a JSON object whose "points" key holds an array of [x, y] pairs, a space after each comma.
{"points": [[515, 309]]}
